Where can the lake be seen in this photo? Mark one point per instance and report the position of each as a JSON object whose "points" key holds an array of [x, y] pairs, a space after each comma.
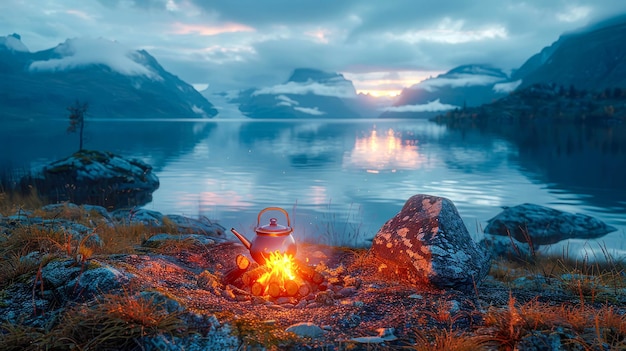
{"points": [[341, 180]]}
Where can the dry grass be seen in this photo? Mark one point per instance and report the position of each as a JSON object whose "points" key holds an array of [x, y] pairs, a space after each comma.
{"points": [[122, 239], [447, 340], [13, 201], [591, 327], [114, 322]]}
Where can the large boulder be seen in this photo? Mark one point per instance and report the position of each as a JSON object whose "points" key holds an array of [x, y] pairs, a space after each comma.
{"points": [[96, 178], [540, 225], [428, 243]]}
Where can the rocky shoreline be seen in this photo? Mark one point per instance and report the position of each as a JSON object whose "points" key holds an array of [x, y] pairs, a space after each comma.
{"points": [[80, 276]]}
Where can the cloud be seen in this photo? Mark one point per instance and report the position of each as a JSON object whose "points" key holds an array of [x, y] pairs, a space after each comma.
{"points": [[507, 87], [458, 80], [342, 89], [431, 106], [211, 41], [311, 111], [286, 101], [81, 52], [206, 30], [12, 42]]}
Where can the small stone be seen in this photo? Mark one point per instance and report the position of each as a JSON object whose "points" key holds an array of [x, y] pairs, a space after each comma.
{"points": [[416, 296], [325, 298], [368, 340], [347, 291], [305, 330], [285, 299]]}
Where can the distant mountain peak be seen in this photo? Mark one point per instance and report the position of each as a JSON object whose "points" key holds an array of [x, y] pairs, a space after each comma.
{"points": [[303, 75], [13, 42], [477, 69], [80, 52], [591, 57]]}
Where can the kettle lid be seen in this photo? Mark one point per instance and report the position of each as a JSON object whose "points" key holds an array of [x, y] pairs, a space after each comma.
{"points": [[273, 228]]}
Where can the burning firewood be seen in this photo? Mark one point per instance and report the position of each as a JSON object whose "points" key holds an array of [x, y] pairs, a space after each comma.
{"points": [[280, 276], [251, 276], [310, 274], [304, 289], [291, 287], [243, 263], [257, 289]]}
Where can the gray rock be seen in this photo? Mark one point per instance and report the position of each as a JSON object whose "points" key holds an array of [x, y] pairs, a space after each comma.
{"points": [[95, 177], [506, 247], [183, 224], [428, 243], [200, 225], [138, 216], [305, 330], [95, 282], [540, 225], [58, 273]]}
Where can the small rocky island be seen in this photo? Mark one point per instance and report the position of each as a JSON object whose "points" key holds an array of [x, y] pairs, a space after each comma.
{"points": [[97, 178]]}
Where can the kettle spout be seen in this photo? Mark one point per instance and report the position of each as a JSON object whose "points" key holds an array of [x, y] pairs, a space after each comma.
{"points": [[242, 238]]}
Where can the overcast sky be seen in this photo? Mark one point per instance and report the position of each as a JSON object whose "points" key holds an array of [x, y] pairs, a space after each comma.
{"points": [[380, 45]]}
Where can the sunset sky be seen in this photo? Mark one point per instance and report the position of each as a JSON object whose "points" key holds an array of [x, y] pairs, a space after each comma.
{"points": [[382, 46]]}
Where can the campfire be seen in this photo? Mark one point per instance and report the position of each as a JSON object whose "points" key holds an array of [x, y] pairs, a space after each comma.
{"points": [[280, 275]]}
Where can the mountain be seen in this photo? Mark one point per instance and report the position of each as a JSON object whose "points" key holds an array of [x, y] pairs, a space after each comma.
{"points": [[592, 58], [307, 93], [113, 80], [467, 85]]}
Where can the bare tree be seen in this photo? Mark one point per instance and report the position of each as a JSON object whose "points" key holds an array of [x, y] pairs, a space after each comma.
{"points": [[77, 120]]}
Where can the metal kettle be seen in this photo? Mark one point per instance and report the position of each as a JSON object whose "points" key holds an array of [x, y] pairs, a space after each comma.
{"points": [[269, 238]]}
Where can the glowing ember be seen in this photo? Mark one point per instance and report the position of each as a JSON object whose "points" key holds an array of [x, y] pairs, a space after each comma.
{"points": [[281, 268], [281, 275]]}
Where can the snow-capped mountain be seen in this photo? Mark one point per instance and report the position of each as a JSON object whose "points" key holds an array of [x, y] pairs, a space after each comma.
{"points": [[468, 85], [114, 80], [307, 93]]}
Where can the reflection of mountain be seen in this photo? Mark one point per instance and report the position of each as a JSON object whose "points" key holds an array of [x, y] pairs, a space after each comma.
{"points": [[24, 143], [308, 144], [577, 158]]}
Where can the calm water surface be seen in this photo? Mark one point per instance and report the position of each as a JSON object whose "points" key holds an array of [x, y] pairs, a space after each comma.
{"points": [[341, 180]]}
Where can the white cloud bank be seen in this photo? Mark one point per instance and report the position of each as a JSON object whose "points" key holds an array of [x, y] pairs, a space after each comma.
{"points": [[286, 101], [13, 43], [311, 111], [341, 89], [431, 106], [82, 52], [459, 80], [507, 87]]}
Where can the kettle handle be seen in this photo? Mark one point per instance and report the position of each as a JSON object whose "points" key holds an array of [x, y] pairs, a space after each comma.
{"points": [[258, 221]]}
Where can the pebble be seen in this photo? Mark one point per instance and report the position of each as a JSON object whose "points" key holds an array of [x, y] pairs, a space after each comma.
{"points": [[306, 330]]}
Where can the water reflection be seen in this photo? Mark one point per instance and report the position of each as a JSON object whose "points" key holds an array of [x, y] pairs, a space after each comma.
{"points": [[318, 170], [389, 152]]}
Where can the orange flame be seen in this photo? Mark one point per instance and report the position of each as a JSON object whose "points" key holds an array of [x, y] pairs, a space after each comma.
{"points": [[281, 268]]}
